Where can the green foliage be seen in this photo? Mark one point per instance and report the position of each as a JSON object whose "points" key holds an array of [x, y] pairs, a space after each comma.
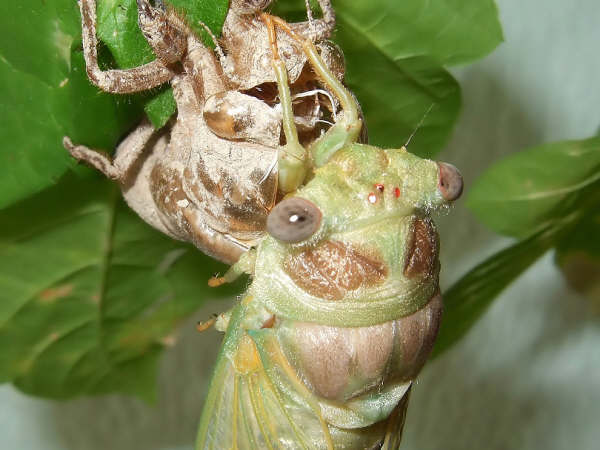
{"points": [[90, 293], [210, 12], [578, 255], [45, 95], [469, 297], [450, 31], [525, 191], [117, 27], [406, 44]]}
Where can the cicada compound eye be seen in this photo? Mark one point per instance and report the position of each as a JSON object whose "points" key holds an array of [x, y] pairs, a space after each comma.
{"points": [[450, 182], [294, 220]]}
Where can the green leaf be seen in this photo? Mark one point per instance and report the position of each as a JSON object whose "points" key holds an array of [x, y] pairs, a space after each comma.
{"points": [[90, 293], [403, 45], [210, 12], [526, 190], [578, 256], [45, 95], [449, 31], [160, 108], [36, 116], [117, 27], [468, 298], [566, 223], [36, 37]]}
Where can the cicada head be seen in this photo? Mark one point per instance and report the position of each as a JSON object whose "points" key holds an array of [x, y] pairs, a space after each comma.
{"points": [[359, 232], [363, 185], [392, 181]]}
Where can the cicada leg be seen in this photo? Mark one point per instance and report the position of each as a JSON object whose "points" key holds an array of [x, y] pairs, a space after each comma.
{"points": [[206, 324], [293, 157], [244, 265], [347, 128], [124, 81], [321, 28], [125, 157]]}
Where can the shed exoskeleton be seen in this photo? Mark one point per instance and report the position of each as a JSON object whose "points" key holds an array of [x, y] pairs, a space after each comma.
{"points": [[344, 304], [212, 175]]}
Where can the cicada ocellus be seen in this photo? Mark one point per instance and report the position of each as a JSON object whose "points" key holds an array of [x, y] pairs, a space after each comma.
{"points": [[344, 304]]}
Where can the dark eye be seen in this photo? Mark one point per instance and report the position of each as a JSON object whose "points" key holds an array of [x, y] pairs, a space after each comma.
{"points": [[293, 220], [451, 182]]}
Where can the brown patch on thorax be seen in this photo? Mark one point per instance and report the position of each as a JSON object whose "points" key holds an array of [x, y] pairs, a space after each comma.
{"points": [[423, 249], [332, 269]]}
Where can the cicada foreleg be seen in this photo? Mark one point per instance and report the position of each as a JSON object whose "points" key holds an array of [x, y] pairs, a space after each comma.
{"points": [[123, 81], [347, 128], [244, 265], [293, 157]]}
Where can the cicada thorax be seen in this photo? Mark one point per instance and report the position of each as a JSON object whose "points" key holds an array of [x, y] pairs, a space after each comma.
{"points": [[333, 269]]}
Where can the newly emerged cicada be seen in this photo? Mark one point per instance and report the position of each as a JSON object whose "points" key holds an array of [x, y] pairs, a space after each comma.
{"points": [[213, 174], [344, 305]]}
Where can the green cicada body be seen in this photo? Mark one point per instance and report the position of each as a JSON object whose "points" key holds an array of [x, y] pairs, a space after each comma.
{"points": [[334, 327], [344, 305]]}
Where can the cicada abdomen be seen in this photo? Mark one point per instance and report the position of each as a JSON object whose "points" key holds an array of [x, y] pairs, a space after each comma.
{"points": [[303, 385]]}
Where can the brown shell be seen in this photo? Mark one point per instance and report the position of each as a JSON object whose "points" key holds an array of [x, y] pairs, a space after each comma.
{"points": [[248, 51]]}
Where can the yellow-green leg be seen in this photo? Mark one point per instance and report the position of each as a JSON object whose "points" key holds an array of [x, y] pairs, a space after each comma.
{"points": [[244, 265], [293, 157], [348, 125]]}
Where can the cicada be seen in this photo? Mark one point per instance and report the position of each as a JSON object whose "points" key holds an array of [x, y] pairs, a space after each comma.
{"points": [[344, 304]]}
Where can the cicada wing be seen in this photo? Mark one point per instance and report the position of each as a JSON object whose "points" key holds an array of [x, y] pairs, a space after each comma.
{"points": [[247, 409], [395, 424]]}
